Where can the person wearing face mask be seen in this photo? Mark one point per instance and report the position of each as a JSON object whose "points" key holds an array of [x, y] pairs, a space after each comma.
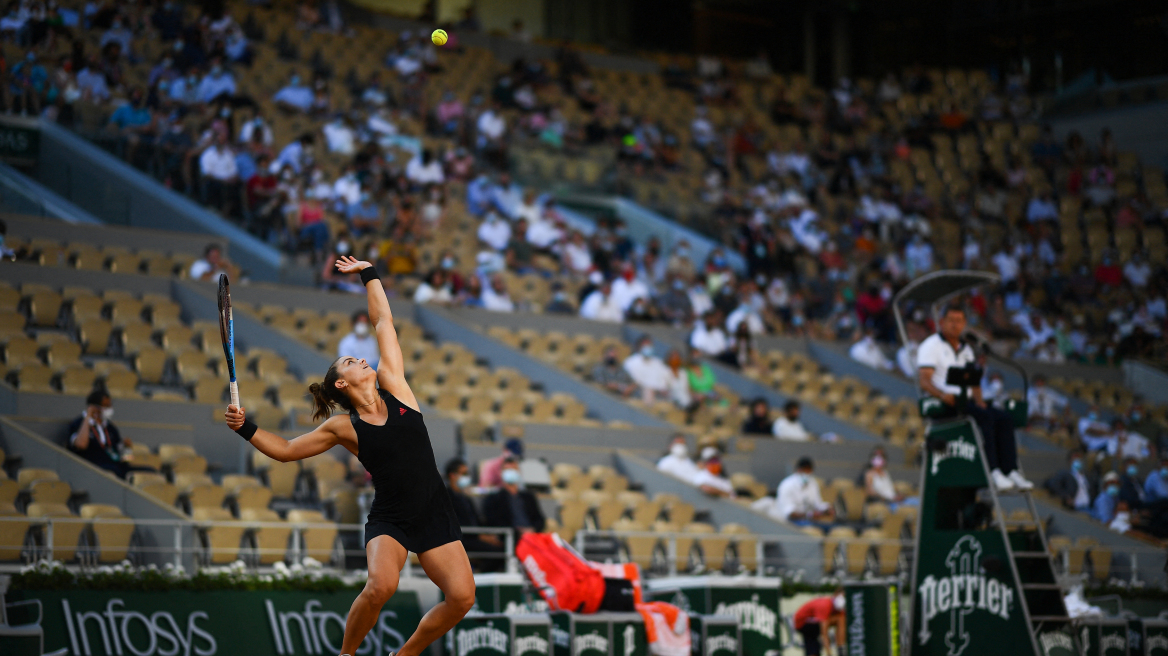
{"points": [[1104, 507], [1093, 432], [559, 303], [1156, 484], [120, 34], [484, 549], [613, 377], [648, 371], [1131, 489], [677, 462], [216, 83], [878, 483], [798, 500], [512, 505], [1073, 486], [94, 436], [295, 97], [673, 304], [601, 305], [709, 478], [815, 619], [360, 344], [1126, 444]]}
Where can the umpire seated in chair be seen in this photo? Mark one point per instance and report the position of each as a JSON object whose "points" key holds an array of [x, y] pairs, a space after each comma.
{"points": [[943, 359]]}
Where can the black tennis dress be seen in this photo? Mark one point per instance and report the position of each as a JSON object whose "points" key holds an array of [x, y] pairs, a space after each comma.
{"points": [[410, 501]]}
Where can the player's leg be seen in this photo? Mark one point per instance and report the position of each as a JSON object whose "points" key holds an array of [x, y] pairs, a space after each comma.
{"points": [[449, 569], [386, 559]]}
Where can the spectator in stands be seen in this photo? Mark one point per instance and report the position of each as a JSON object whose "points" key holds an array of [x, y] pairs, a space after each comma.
{"points": [[868, 353], [648, 372], [211, 264], [360, 343], [295, 97], [1156, 484], [1124, 444], [491, 471], [600, 305], [434, 289], [677, 462], [1046, 406], [1104, 508], [945, 350], [709, 337], [97, 439], [702, 381], [297, 155], [815, 619], [611, 375], [1094, 434], [220, 175], [513, 506], [1073, 486], [678, 381], [494, 232], [759, 421], [134, 124], [496, 298], [709, 478], [878, 483], [1131, 489], [559, 303], [673, 304], [217, 83], [798, 500], [788, 427], [458, 482]]}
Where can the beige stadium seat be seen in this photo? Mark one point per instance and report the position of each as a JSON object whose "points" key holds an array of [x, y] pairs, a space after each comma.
{"points": [[641, 549], [187, 464], [49, 491], [62, 354], [66, 534], [136, 336], [343, 501], [271, 542], [21, 351], [112, 539], [126, 311], [165, 315], [266, 416], [125, 263], [27, 475], [210, 390], [122, 385], [646, 512], [13, 529], [94, 335], [178, 339], [247, 491], [222, 542], [36, 378], [282, 478], [687, 542], [8, 490], [199, 491], [155, 485], [150, 363], [317, 542], [11, 324], [572, 514], [745, 545], [169, 452], [45, 308]]}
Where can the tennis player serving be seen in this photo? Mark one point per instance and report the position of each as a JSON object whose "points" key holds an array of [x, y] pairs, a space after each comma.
{"points": [[411, 510]]}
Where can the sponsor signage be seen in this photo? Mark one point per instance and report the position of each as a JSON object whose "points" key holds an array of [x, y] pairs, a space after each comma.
{"points": [[966, 599], [711, 635], [1156, 637], [20, 141], [500, 635], [96, 623], [753, 605], [873, 619]]}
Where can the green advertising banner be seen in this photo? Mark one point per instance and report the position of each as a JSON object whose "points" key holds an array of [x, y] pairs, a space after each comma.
{"points": [[20, 140], [1156, 637], [507, 594], [183, 623], [966, 598], [873, 619], [581, 635], [754, 603], [495, 635], [714, 636]]}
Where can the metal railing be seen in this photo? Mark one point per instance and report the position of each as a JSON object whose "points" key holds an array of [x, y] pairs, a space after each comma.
{"points": [[39, 543]]}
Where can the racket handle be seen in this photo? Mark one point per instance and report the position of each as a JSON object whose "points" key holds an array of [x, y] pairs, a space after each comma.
{"points": [[233, 390]]}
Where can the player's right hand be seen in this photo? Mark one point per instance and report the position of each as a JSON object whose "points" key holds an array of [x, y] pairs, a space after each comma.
{"points": [[234, 417]]}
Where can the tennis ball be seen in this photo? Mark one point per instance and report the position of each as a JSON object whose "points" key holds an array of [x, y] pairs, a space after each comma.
{"points": [[439, 37]]}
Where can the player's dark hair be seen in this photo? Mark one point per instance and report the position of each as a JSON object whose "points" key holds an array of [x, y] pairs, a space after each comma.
{"points": [[325, 395]]}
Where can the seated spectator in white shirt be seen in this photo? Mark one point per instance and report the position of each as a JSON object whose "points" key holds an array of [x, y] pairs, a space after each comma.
{"points": [[993, 390], [576, 254], [678, 380], [544, 234], [257, 124], [1137, 272], [217, 82], [648, 372], [708, 335], [295, 97], [798, 500], [709, 478], [677, 463], [435, 289], [1125, 444], [361, 343], [424, 169], [1041, 208], [627, 288], [788, 427], [296, 155], [495, 297], [868, 353], [1045, 404], [601, 306], [1094, 433], [495, 232], [211, 265]]}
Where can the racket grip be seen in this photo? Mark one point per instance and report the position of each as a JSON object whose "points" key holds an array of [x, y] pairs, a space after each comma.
{"points": [[233, 390]]}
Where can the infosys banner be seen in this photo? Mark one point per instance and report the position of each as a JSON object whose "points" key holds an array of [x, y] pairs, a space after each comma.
{"points": [[95, 623]]}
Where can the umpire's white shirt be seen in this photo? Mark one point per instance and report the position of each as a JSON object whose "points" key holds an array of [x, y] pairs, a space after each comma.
{"points": [[939, 354]]}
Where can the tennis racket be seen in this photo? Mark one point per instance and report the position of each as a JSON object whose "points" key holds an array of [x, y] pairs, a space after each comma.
{"points": [[227, 332]]}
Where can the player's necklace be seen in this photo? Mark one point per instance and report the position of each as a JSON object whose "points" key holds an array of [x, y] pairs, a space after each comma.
{"points": [[367, 404]]}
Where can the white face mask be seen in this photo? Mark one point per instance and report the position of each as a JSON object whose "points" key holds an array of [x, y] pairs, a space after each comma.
{"points": [[838, 602], [511, 476], [361, 328], [464, 481], [107, 414], [679, 450]]}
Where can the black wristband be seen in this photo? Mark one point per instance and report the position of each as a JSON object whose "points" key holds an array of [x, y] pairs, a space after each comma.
{"points": [[369, 273], [247, 430]]}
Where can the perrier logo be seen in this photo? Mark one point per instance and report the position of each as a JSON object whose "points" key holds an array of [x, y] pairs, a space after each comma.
{"points": [[965, 591]]}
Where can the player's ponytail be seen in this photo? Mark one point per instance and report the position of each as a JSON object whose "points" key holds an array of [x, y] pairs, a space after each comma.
{"points": [[326, 397]]}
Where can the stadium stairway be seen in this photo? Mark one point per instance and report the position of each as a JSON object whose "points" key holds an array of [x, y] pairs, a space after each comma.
{"points": [[99, 487]]}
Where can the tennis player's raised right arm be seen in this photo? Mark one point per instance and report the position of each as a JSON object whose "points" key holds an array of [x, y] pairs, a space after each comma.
{"points": [[391, 371], [321, 439]]}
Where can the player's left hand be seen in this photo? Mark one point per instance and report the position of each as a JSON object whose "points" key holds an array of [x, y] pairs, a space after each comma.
{"points": [[350, 264]]}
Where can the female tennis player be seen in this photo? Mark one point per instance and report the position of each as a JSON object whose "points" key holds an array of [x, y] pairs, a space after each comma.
{"points": [[411, 509]]}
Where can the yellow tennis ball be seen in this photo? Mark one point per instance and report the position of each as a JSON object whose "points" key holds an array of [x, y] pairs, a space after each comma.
{"points": [[439, 37]]}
